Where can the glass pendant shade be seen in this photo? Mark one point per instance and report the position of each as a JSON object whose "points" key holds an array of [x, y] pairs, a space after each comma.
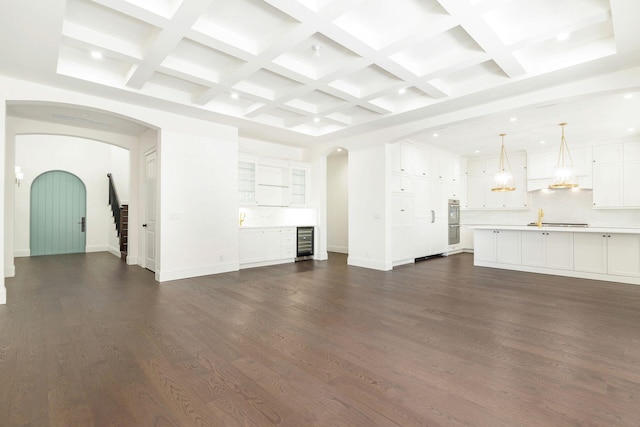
{"points": [[503, 179], [564, 173]]}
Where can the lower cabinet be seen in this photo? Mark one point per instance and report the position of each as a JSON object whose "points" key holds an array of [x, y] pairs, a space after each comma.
{"points": [[550, 249], [616, 254], [263, 246], [502, 246], [586, 254]]}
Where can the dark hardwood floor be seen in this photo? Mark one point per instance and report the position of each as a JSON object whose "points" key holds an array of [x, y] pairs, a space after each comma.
{"points": [[87, 341]]}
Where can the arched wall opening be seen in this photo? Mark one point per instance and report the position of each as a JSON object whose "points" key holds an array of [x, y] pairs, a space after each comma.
{"points": [[85, 147]]}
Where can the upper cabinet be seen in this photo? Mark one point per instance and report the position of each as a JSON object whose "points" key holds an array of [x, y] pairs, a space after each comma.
{"points": [[299, 185], [480, 174], [247, 183], [266, 182], [417, 161], [402, 157], [616, 174], [540, 167]]}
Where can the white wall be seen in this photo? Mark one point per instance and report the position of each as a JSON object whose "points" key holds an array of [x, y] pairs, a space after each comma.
{"points": [[90, 161], [259, 148], [337, 203], [7, 220], [198, 203], [368, 213]]}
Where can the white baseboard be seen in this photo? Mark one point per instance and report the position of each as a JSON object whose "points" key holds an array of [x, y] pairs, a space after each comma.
{"points": [[267, 263], [164, 276], [338, 249], [115, 251], [18, 253], [96, 248], [9, 271], [369, 263], [3, 295]]}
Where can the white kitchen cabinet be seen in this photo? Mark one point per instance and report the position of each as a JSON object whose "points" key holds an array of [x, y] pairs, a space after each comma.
{"points": [[501, 246], [269, 245], [540, 166], [550, 249], [251, 245], [590, 252], [401, 183], [607, 184], [299, 186], [480, 180], [631, 183], [402, 157], [272, 182], [616, 175], [623, 254], [402, 226], [247, 183], [425, 162], [430, 223], [607, 253]]}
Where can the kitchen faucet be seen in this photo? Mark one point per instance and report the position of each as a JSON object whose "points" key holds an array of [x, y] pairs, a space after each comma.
{"points": [[540, 216]]}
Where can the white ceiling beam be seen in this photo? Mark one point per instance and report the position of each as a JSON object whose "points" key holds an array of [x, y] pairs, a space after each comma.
{"points": [[625, 14], [473, 23], [166, 40], [263, 60]]}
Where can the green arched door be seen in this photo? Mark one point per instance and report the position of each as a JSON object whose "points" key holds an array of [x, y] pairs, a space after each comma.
{"points": [[58, 214]]}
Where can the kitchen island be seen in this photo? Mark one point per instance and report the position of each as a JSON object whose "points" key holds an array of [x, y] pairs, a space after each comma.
{"points": [[600, 253]]}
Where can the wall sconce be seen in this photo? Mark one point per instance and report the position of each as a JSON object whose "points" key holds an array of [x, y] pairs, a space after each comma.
{"points": [[19, 176]]}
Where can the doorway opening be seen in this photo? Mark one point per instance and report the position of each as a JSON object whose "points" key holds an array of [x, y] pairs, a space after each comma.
{"points": [[338, 201]]}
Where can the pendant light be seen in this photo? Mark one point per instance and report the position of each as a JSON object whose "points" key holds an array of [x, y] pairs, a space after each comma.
{"points": [[503, 179], [564, 172]]}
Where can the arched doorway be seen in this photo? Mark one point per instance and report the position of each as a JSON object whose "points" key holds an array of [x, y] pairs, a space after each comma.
{"points": [[58, 214]]}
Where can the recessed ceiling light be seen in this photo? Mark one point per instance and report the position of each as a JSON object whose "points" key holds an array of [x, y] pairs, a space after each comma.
{"points": [[513, 119], [316, 49], [339, 150], [316, 119], [234, 95], [435, 135], [402, 91], [477, 151], [628, 96], [96, 55], [631, 130], [562, 37], [543, 142]]}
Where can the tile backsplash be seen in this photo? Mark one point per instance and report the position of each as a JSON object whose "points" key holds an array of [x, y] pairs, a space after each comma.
{"points": [[574, 206]]}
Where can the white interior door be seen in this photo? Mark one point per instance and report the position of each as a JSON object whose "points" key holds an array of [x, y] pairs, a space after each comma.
{"points": [[150, 211]]}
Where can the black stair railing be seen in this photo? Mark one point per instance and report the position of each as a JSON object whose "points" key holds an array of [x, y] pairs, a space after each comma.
{"points": [[114, 202]]}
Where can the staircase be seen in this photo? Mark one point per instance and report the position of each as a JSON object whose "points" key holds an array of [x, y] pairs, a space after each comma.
{"points": [[124, 231], [121, 218]]}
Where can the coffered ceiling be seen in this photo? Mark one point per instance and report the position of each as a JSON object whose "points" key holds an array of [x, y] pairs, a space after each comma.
{"points": [[307, 71]]}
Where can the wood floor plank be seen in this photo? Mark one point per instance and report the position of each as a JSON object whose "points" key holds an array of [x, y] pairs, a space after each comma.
{"points": [[87, 340]]}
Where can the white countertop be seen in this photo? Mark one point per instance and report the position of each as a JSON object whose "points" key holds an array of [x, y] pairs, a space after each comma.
{"points": [[249, 227], [622, 230]]}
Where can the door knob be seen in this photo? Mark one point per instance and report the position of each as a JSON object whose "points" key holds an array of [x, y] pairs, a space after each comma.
{"points": [[144, 225]]}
